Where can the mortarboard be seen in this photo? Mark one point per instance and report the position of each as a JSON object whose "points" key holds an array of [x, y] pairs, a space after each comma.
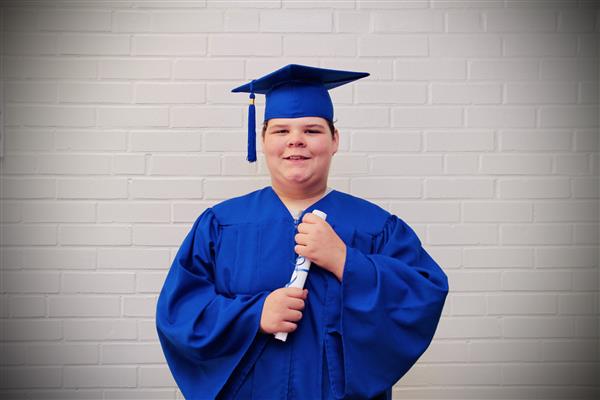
{"points": [[294, 91]]}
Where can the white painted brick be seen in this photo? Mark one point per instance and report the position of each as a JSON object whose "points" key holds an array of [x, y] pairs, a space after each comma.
{"points": [[500, 117], [134, 69], [151, 376], [468, 304], [90, 140], [578, 304], [185, 165], [376, 4], [453, 351], [172, 45], [50, 68], [165, 141], [588, 92], [93, 44], [516, 164], [19, 164], [386, 92], [30, 234], [312, 45], [536, 280], [349, 164], [430, 69], [137, 393], [459, 140], [131, 21], [49, 115], [184, 117], [538, 327], [166, 188], [536, 234], [588, 45], [10, 212], [31, 377], [19, 19], [133, 212], [59, 258], [304, 21], [30, 282], [224, 141], [566, 257], [128, 164], [549, 374], [95, 92], [362, 117], [23, 188], [147, 330], [39, 92], [459, 188], [86, 282], [413, 165], [569, 117], [585, 187], [49, 354], [541, 93], [580, 211], [479, 93], [237, 165], [380, 188], [188, 212], [139, 306], [465, 45], [559, 351], [29, 139], [164, 93], [585, 280], [502, 257], [131, 353], [94, 235], [427, 117], [71, 20], [133, 258], [578, 69], [103, 329], [224, 188], [96, 188], [469, 327], [586, 234], [133, 116], [426, 211], [464, 21], [545, 140], [32, 330], [208, 69], [496, 212], [163, 235], [248, 44], [534, 188], [521, 21], [99, 376], [576, 21], [389, 45], [464, 375], [522, 304], [471, 234], [187, 21], [84, 306], [58, 212], [13, 354], [73, 164], [385, 142], [408, 21], [352, 22], [461, 164], [510, 70], [546, 45], [586, 327], [241, 20], [509, 351], [149, 282], [27, 306], [30, 44], [67, 394]]}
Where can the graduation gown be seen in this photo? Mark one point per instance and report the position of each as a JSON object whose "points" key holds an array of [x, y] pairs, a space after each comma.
{"points": [[356, 338]]}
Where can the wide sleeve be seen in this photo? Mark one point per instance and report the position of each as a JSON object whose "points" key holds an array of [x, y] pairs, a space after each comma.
{"points": [[203, 334], [391, 302]]}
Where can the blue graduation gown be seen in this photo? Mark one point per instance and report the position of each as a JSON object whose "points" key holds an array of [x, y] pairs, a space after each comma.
{"points": [[356, 337]]}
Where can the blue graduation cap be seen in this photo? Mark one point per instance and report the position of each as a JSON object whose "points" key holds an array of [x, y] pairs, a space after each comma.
{"points": [[294, 91]]}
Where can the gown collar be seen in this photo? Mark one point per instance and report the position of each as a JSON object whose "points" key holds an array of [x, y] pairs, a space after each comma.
{"points": [[311, 207]]}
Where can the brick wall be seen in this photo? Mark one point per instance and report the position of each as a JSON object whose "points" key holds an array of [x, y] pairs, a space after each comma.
{"points": [[478, 126]]}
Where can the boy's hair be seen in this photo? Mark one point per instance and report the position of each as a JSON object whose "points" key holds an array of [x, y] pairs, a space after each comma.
{"points": [[329, 123]]}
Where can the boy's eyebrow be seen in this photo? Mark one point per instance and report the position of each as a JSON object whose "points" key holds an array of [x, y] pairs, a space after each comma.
{"points": [[306, 126]]}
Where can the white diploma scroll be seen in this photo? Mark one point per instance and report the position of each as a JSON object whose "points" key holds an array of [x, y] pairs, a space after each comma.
{"points": [[299, 275]]}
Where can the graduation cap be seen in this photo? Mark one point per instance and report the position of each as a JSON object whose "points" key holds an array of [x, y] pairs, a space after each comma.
{"points": [[294, 91]]}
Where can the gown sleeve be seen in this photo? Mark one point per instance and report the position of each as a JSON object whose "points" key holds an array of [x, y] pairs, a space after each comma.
{"points": [[203, 334], [391, 302]]}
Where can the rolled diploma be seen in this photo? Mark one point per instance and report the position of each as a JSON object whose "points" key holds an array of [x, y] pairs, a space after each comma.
{"points": [[299, 275]]}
